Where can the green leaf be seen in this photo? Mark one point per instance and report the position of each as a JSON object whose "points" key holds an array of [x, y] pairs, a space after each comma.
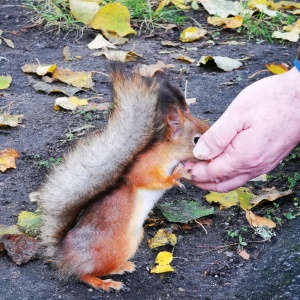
{"points": [[183, 211], [30, 222], [5, 82]]}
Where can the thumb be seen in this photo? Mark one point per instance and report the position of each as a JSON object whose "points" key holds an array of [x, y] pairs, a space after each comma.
{"points": [[215, 140]]}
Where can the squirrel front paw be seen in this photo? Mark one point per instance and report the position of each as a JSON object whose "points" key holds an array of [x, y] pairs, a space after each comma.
{"points": [[181, 172]]}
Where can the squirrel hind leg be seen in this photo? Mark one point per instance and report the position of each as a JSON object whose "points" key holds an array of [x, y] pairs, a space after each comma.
{"points": [[128, 267], [102, 284]]}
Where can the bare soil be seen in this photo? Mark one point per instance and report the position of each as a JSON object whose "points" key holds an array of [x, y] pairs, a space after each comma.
{"points": [[273, 271]]}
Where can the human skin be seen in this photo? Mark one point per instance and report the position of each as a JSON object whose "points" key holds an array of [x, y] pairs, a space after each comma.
{"points": [[259, 128]]}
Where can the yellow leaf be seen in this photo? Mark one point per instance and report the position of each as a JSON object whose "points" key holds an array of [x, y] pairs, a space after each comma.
{"points": [[113, 17], [78, 79], [277, 69], [122, 56], [292, 26], [186, 59], [84, 11], [5, 82], [180, 4], [161, 5], [233, 22], [257, 221], [162, 238], [70, 103], [222, 8], [162, 269], [164, 258], [7, 159], [192, 34], [30, 222], [151, 70], [241, 196], [285, 5], [252, 3]]}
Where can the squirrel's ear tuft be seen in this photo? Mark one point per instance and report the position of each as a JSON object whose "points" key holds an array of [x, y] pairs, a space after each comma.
{"points": [[174, 119]]}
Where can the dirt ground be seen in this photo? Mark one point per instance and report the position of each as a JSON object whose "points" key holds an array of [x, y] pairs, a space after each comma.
{"points": [[273, 271]]}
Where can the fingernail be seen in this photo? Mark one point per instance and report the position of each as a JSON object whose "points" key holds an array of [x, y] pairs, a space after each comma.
{"points": [[201, 151]]}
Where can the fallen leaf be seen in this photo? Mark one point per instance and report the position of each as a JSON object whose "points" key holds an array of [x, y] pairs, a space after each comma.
{"points": [[162, 238], [225, 63], [170, 43], [269, 194], [186, 59], [263, 177], [292, 36], [30, 222], [233, 22], [257, 221], [113, 17], [233, 43], [190, 101], [243, 254], [277, 69], [77, 79], [8, 42], [54, 88], [7, 159], [192, 34], [5, 82], [10, 120], [100, 43], [222, 8], [183, 211], [69, 103], [263, 8], [67, 53], [122, 56], [162, 269], [241, 196], [84, 11], [20, 247], [43, 70], [115, 39], [164, 258], [281, 5]]}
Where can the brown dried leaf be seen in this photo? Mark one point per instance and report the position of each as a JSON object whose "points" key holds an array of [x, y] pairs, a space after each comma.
{"points": [[269, 195], [257, 221], [243, 254], [7, 159]]}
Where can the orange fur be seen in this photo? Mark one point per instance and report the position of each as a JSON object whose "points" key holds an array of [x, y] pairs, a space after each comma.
{"points": [[109, 231]]}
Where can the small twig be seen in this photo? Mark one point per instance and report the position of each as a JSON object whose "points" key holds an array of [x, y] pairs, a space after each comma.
{"points": [[201, 226]]}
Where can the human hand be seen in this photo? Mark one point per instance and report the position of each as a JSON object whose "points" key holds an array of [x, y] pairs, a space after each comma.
{"points": [[259, 129]]}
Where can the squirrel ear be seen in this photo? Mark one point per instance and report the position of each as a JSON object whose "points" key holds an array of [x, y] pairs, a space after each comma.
{"points": [[173, 120]]}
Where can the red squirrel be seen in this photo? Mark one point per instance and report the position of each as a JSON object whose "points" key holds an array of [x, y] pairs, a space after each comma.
{"points": [[95, 203]]}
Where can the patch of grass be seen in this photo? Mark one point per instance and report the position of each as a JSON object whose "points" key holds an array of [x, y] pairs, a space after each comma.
{"points": [[293, 180], [54, 15], [40, 163], [261, 27]]}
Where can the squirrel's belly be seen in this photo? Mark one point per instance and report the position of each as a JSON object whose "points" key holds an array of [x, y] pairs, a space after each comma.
{"points": [[144, 202]]}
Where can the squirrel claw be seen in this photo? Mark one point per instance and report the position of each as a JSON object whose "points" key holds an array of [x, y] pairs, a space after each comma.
{"points": [[179, 184]]}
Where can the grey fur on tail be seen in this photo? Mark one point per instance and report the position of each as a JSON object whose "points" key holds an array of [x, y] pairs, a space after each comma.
{"points": [[99, 160]]}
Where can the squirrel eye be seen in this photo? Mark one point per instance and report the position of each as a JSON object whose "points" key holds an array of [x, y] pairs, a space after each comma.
{"points": [[196, 138]]}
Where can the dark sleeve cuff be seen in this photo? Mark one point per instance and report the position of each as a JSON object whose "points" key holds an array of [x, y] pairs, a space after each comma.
{"points": [[297, 64]]}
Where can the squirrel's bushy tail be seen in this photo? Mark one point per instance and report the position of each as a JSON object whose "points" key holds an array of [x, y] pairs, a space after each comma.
{"points": [[98, 161]]}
